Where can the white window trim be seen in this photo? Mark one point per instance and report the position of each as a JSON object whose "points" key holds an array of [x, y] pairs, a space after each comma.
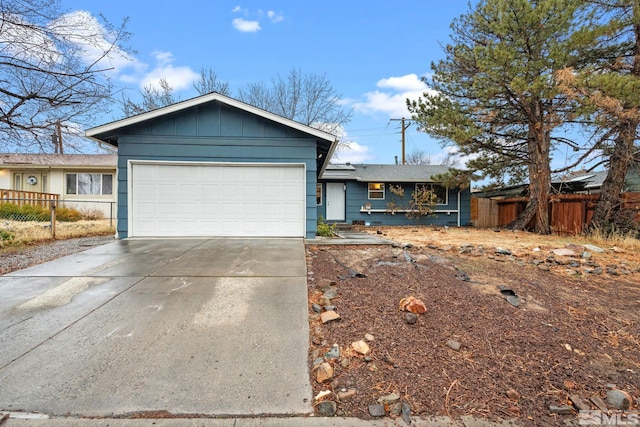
{"points": [[369, 190], [432, 184]]}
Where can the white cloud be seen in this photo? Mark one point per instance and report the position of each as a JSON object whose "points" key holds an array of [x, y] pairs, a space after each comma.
{"points": [[391, 97], [275, 17], [348, 150], [351, 152], [178, 77], [249, 25], [245, 26]]}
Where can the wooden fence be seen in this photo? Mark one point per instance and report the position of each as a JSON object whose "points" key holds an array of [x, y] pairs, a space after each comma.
{"points": [[568, 213], [28, 197]]}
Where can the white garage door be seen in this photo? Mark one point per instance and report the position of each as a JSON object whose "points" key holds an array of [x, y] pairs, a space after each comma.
{"points": [[247, 200]]}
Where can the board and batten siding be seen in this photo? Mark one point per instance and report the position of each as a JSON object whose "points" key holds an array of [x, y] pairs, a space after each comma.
{"points": [[216, 133]]}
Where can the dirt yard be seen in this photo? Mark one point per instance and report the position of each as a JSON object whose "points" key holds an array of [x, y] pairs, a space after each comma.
{"points": [[515, 323]]}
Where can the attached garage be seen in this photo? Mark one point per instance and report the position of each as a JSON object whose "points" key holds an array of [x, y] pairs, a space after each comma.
{"points": [[214, 166], [232, 200]]}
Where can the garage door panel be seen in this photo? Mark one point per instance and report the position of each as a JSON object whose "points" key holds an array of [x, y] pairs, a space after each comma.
{"points": [[217, 200]]}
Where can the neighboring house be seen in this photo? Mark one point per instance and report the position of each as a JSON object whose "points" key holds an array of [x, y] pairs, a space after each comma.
{"points": [[360, 194], [578, 182], [215, 166], [82, 181]]}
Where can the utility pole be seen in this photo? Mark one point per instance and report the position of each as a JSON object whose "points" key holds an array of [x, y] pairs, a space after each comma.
{"points": [[403, 129]]}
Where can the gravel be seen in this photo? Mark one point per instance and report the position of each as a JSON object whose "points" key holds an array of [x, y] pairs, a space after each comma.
{"points": [[12, 259]]}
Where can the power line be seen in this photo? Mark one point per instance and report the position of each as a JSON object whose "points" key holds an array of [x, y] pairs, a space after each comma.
{"points": [[403, 129]]}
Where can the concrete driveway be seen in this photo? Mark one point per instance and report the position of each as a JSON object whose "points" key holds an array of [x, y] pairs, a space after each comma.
{"points": [[193, 326]]}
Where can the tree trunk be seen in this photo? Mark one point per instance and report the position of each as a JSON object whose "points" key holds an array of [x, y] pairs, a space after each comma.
{"points": [[610, 203], [539, 175]]}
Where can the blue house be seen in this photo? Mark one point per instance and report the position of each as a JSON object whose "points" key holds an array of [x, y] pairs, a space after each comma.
{"points": [[215, 166], [362, 194]]}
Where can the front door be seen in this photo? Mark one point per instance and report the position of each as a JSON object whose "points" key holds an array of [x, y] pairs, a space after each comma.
{"points": [[335, 201]]}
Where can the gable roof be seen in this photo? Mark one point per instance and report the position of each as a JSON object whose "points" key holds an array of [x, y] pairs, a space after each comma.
{"points": [[109, 132], [384, 173], [16, 160]]}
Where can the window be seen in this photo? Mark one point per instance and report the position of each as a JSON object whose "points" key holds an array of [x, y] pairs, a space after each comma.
{"points": [[318, 194], [17, 181], [89, 183], [376, 190], [439, 190]]}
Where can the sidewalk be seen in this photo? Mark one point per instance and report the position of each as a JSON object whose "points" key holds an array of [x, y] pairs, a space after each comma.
{"points": [[465, 421]]}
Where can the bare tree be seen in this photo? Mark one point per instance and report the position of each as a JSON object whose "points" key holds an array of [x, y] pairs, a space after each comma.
{"points": [[152, 98], [418, 157], [53, 69], [306, 98], [209, 82]]}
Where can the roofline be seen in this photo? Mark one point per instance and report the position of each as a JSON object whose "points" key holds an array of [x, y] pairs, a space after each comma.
{"points": [[193, 102]]}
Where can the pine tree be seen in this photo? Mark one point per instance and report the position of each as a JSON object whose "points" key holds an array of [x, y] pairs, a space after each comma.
{"points": [[496, 96]]}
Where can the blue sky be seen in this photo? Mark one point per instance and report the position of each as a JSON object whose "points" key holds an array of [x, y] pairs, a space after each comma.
{"points": [[372, 52]]}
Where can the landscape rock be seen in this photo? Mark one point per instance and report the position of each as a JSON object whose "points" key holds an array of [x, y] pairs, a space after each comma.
{"points": [[346, 394], [597, 400], [389, 399], [331, 292], [327, 409], [413, 305], [377, 410], [618, 399], [579, 403], [561, 410], [396, 409], [333, 353], [612, 271], [322, 394], [563, 252], [360, 347], [329, 316], [502, 251], [585, 255], [513, 394], [317, 308], [406, 413], [323, 372], [325, 284], [454, 345], [593, 248], [369, 337], [411, 318]]}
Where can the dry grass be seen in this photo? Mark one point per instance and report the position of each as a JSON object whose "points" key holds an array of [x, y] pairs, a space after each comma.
{"points": [[30, 232], [617, 248]]}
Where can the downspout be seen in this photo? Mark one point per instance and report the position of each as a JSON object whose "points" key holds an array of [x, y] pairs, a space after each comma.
{"points": [[459, 191]]}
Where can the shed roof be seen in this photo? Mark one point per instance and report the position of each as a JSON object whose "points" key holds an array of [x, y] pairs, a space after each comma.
{"points": [[384, 173], [15, 160]]}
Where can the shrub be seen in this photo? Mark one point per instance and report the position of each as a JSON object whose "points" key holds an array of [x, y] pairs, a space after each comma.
{"points": [[324, 229], [6, 236], [15, 212], [92, 214], [68, 214]]}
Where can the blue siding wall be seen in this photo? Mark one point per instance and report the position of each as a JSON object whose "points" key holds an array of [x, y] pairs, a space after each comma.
{"points": [[357, 195], [216, 133]]}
